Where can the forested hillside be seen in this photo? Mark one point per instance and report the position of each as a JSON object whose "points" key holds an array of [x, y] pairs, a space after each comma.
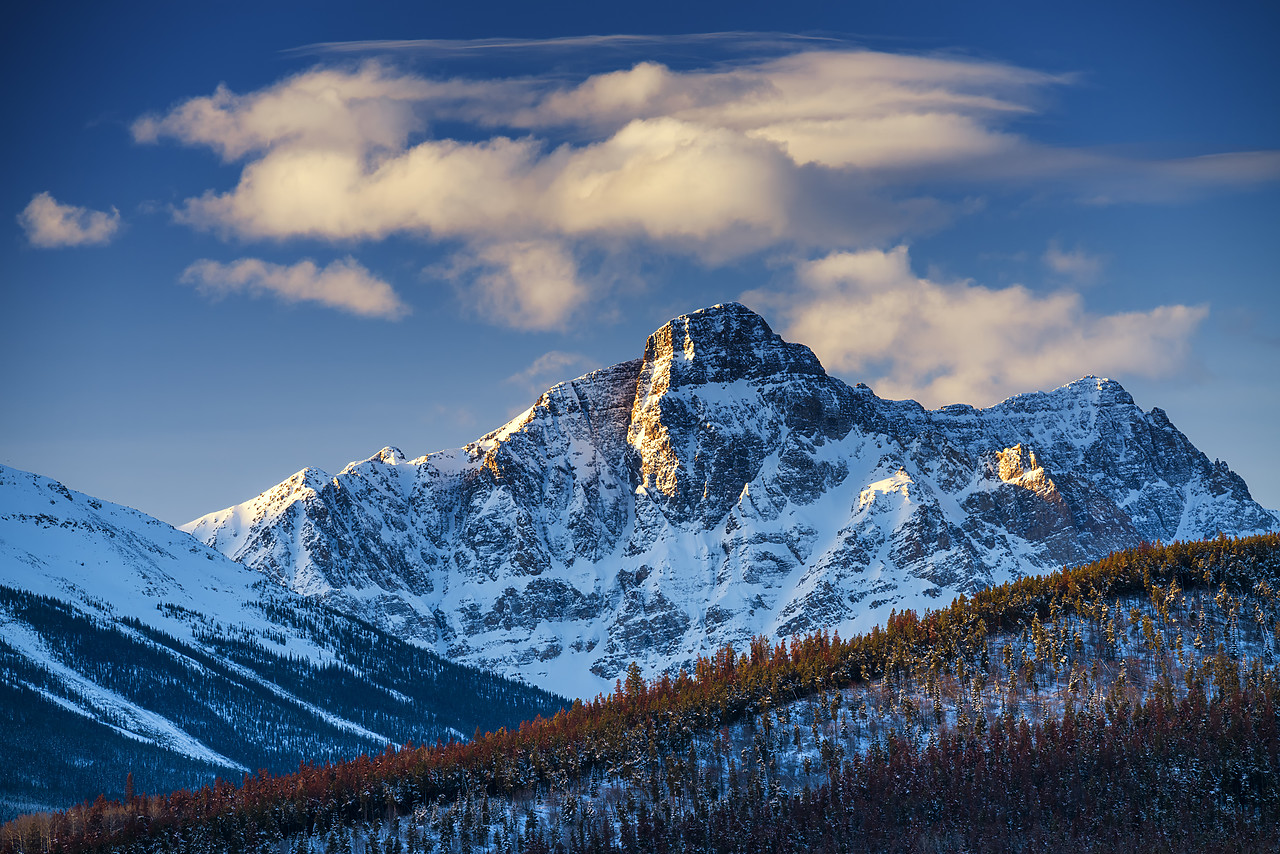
{"points": [[1132, 700], [126, 647], [69, 722]]}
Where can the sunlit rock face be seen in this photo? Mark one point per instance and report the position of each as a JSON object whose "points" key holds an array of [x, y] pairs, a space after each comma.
{"points": [[723, 486], [719, 393]]}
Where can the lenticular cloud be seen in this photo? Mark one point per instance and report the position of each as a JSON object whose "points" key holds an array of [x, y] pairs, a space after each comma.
{"points": [[716, 161]]}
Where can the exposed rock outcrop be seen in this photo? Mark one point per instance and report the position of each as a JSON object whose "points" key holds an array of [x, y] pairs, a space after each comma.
{"points": [[723, 486]]}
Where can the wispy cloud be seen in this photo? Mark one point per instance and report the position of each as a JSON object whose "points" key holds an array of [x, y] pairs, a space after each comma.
{"points": [[867, 315], [50, 224], [1075, 264], [713, 162], [344, 284], [793, 148], [1106, 180], [530, 284], [551, 368], [650, 45], [457, 417]]}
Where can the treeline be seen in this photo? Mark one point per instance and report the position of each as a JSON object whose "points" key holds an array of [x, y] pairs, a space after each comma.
{"points": [[641, 721], [52, 756], [461, 695], [1200, 775]]}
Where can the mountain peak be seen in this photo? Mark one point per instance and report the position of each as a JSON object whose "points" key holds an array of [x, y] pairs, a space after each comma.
{"points": [[1106, 392], [722, 344], [725, 486], [1091, 390], [390, 455]]}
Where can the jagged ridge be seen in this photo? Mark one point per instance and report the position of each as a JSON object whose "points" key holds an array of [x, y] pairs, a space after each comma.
{"points": [[722, 486]]}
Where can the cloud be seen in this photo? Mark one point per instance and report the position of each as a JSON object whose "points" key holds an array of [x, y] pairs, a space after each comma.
{"points": [[551, 368], [531, 284], [716, 163], [1074, 264], [320, 110], [792, 149], [344, 284], [50, 224], [1241, 168], [867, 315], [647, 45], [460, 417]]}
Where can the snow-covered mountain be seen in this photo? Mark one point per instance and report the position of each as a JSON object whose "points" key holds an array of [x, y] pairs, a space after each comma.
{"points": [[719, 487], [127, 645]]}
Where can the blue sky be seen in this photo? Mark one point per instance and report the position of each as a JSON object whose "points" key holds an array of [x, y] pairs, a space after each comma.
{"points": [[255, 237]]}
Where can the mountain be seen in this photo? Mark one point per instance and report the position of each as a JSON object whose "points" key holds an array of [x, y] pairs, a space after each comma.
{"points": [[1120, 705], [719, 487], [129, 646]]}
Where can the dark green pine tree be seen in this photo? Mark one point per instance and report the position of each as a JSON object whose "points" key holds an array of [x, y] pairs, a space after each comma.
{"points": [[635, 680]]}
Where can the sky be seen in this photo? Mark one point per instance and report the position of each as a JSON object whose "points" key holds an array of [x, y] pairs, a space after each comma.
{"points": [[249, 238]]}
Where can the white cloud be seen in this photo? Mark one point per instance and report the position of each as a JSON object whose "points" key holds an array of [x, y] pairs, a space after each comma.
{"points": [[868, 316], [813, 150], [1074, 264], [712, 163], [532, 284], [344, 284], [322, 109], [50, 224], [551, 368], [706, 159]]}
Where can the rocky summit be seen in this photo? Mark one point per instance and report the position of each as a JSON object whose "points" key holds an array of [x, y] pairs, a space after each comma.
{"points": [[719, 487]]}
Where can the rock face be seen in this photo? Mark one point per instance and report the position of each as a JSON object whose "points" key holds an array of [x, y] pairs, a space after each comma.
{"points": [[720, 487]]}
